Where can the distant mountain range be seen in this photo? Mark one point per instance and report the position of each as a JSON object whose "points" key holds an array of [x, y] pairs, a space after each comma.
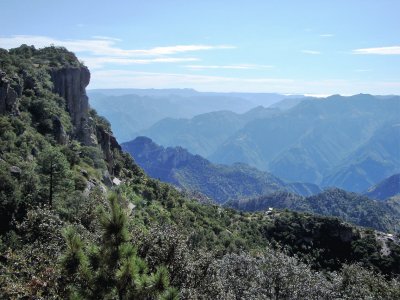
{"points": [[203, 134], [219, 182], [390, 187], [347, 142], [133, 110], [351, 207]]}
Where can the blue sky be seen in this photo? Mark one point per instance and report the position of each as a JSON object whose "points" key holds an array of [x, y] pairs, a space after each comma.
{"points": [[308, 47]]}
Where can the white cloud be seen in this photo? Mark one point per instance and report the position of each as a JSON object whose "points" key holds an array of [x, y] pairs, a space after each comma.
{"points": [[362, 70], [393, 50], [96, 62], [179, 49], [103, 37], [103, 46], [231, 67], [312, 52], [326, 35], [100, 50], [125, 78]]}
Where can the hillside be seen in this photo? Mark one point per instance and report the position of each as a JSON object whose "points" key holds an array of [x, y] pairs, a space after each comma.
{"points": [[385, 189], [350, 207], [219, 182], [80, 219]]}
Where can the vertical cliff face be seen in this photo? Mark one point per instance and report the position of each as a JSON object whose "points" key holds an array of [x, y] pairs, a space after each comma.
{"points": [[8, 96], [70, 83], [31, 78]]}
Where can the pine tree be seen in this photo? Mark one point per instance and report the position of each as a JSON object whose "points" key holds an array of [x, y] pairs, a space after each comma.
{"points": [[54, 170], [112, 270]]}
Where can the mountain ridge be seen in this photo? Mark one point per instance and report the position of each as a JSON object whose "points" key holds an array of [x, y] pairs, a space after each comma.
{"points": [[133, 110], [385, 189], [314, 141], [193, 172]]}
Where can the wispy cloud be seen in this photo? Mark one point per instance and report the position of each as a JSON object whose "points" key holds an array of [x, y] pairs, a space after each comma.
{"points": [[102, 45], [230, 67], [126, 78], [362, 70], [100, 50], [392, 50], [326, 35], [179, 49], [96, 62], [103, 37], [312, 52]]}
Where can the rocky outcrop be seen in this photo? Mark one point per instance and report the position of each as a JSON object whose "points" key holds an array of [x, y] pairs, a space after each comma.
{"points": [[107, 143], [8, 96], [70, 83], [59, 132]]}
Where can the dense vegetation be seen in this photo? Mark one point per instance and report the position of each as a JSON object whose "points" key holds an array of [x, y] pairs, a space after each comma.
{"points": [[67, 231], [350, 207]]}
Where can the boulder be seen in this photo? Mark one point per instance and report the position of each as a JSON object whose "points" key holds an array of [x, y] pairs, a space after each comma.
{"points": [[15, 171]]}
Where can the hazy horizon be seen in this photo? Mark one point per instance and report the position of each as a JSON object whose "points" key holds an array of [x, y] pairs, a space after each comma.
{"points": [[233, 92]]}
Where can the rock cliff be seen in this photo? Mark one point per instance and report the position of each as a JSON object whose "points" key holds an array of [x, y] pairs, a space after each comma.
{"points": [[8, 95], [70, 83]]}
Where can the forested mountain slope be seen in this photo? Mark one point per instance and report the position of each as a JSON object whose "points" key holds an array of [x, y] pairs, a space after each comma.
{"points": [[350, 207]]}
